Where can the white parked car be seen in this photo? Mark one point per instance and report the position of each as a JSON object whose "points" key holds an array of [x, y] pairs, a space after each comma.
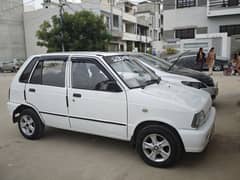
{"points": [[114, 96]]}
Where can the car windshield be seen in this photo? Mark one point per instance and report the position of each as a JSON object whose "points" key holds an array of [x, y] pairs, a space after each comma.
{"points": [[131, 72], [154, 62]]}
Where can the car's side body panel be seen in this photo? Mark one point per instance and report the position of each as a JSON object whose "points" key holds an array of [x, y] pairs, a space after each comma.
{"points": [[112, 114]]}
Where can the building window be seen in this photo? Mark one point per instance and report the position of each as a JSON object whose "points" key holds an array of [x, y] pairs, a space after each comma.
{"points": [[185, 33], [186, 3], [230, 29], [115, 21], [108, 22]]}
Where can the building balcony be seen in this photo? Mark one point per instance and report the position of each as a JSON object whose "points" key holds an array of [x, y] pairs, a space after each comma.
{"points": [[222, 7], [136, 37]]}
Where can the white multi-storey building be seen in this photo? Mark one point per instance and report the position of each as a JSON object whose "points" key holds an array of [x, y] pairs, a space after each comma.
{"points": [[203, 23], [150, 12], [127, 33], [12, 43]]}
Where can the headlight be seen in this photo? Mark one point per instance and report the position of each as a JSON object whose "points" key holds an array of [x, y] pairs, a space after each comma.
{"points": [[197, 85], [199, 119]]}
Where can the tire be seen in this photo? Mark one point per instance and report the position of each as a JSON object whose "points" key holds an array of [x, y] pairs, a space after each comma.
{"points": [[30, 125], [166, 154], [218, 68]]}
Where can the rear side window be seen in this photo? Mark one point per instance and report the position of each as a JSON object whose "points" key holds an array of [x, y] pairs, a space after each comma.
{"points": [[27, 71], [50, 73]]}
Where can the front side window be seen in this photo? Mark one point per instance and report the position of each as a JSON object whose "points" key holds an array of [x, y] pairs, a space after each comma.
{"points": [[88, 74], [131, 72], [50, 73], [186, 3]]}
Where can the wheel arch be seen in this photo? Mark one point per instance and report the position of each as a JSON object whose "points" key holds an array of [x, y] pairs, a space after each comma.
{"points": [[149, 123], [20, 108]]}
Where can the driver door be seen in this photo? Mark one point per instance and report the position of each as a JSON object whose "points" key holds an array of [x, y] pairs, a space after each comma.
{"points": [[93, 109]]}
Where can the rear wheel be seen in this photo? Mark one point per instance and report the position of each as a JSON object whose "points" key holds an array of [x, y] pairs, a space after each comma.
{"points": [[159, 146], [30, 125]]}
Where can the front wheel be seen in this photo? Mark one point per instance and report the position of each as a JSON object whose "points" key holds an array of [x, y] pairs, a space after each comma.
{"points": [[30, 125], [159, 146]]}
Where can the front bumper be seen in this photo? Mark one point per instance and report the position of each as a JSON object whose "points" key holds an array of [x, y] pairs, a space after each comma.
{"points": [[213, 91], [196, 140]]}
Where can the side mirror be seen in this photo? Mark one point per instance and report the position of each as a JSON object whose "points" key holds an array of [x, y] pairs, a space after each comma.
{"points": [[113, 87], [109, 85]]}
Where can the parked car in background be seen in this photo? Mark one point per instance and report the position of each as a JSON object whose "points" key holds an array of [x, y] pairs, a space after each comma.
{"points": [[8, 66], [189, 61], [111, 95], [11, 66], [198, 80], [18, 63]]}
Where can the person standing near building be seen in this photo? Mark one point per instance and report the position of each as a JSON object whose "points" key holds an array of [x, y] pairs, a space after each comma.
{"points": [[211, 60], [200, 59], [237, 67], [234, 64]]}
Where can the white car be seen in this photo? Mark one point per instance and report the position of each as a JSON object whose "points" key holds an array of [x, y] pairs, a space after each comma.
{"points": [[111, 95]]}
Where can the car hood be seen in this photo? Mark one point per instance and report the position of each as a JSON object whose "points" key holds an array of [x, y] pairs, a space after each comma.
{"points": [[179, 96], [193, 74], [174, 77]]}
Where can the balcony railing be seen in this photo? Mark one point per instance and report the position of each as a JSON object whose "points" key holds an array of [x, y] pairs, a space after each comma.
{"points": [[223, 4], [223, 7]]}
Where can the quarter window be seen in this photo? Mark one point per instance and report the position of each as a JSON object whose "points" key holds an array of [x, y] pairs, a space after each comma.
{"points": [[88, 74], [27, 71], [50, 73]]}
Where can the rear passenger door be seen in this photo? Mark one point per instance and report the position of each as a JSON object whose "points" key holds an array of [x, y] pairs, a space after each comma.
{"points": [[46, 90]]}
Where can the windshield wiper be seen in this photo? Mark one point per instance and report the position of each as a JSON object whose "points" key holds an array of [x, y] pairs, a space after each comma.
{"points": [[152, 81], [178, 58]]}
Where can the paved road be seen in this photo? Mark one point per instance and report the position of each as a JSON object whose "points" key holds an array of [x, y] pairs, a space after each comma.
{"points": [[68, 155]]}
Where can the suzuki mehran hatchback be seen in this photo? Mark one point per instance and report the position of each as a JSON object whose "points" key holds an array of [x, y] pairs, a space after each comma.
{"points": [[111, 95]]}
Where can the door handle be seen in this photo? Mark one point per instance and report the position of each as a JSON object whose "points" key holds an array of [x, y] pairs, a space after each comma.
{"points": [[77, 95], [32, 90]]}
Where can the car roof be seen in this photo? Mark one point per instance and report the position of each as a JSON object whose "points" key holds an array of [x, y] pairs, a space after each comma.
{"points": [[87, 53]]}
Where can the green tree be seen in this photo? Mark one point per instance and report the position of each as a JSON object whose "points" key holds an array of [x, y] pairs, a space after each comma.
{"points": [[82, 31]]}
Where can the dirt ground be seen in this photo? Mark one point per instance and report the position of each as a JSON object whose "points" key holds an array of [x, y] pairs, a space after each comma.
{"points": [[68, 155]]}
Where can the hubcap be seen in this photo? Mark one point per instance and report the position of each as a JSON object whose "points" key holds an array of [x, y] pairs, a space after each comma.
{"points": [[156, 147], [27, 125]]}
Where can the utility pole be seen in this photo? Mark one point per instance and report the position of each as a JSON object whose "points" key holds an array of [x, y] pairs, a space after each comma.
{"points": [[60, 4], [111, 16], [61, 11]]}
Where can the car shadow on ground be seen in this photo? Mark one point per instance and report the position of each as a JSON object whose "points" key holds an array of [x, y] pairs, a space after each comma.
{"points": [[223, 144]]}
